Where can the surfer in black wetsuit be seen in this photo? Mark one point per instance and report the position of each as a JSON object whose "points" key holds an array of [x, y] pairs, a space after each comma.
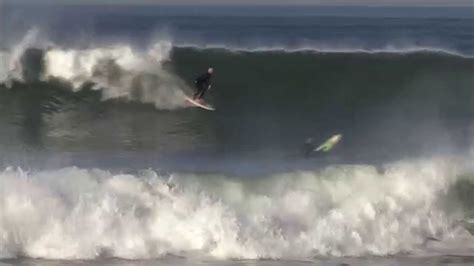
{"points": [[203, 83]]}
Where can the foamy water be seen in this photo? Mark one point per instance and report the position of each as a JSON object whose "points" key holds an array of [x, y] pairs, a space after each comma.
{"points": [[119, 71], [74, 213]]}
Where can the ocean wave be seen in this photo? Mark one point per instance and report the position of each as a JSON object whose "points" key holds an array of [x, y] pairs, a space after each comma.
{"points": [[161, 73], [118, 70], [340, 211]]}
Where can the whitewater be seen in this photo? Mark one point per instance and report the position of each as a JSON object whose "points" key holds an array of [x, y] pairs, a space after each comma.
{"points": [[116, 70], [342, 210]]}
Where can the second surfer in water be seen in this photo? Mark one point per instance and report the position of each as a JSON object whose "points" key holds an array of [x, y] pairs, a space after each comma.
{"points": [[203, 83]]}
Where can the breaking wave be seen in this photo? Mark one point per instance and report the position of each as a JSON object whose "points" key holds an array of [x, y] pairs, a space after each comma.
{"points": [[119, 71], [340, 211], [367, 96]]}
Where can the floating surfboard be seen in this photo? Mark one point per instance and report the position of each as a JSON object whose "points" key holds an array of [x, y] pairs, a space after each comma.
{"points": [[329, 143], [199, 104]]}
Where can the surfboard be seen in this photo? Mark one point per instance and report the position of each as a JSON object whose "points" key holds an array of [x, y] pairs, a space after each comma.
{"points": [[329, 143], [199, 104]]}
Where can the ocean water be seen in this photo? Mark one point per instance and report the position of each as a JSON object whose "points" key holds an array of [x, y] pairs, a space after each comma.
{"points": [[102, 162]]}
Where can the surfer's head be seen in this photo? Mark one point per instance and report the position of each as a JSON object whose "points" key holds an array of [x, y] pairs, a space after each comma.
{"points": [[210, 70]]}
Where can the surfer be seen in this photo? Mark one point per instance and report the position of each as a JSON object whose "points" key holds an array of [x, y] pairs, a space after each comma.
{"points": [[203, 83]]}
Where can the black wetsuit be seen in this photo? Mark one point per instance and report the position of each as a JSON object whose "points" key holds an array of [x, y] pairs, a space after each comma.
{"points": [[202, 84]]}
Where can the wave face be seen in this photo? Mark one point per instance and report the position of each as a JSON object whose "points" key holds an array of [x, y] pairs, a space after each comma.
{"points": [[412, 98], [342, 211], [385, 104]]}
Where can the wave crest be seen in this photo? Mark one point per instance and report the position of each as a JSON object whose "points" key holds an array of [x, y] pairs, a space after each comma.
{"points": [[119, 71]]}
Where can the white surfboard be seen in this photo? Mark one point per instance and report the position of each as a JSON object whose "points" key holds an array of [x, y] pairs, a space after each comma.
{"points": [[198, 104]]}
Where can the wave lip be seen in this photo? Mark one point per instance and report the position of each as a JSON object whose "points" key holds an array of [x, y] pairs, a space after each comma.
{"points": [[327, 49], [340, 211]]}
